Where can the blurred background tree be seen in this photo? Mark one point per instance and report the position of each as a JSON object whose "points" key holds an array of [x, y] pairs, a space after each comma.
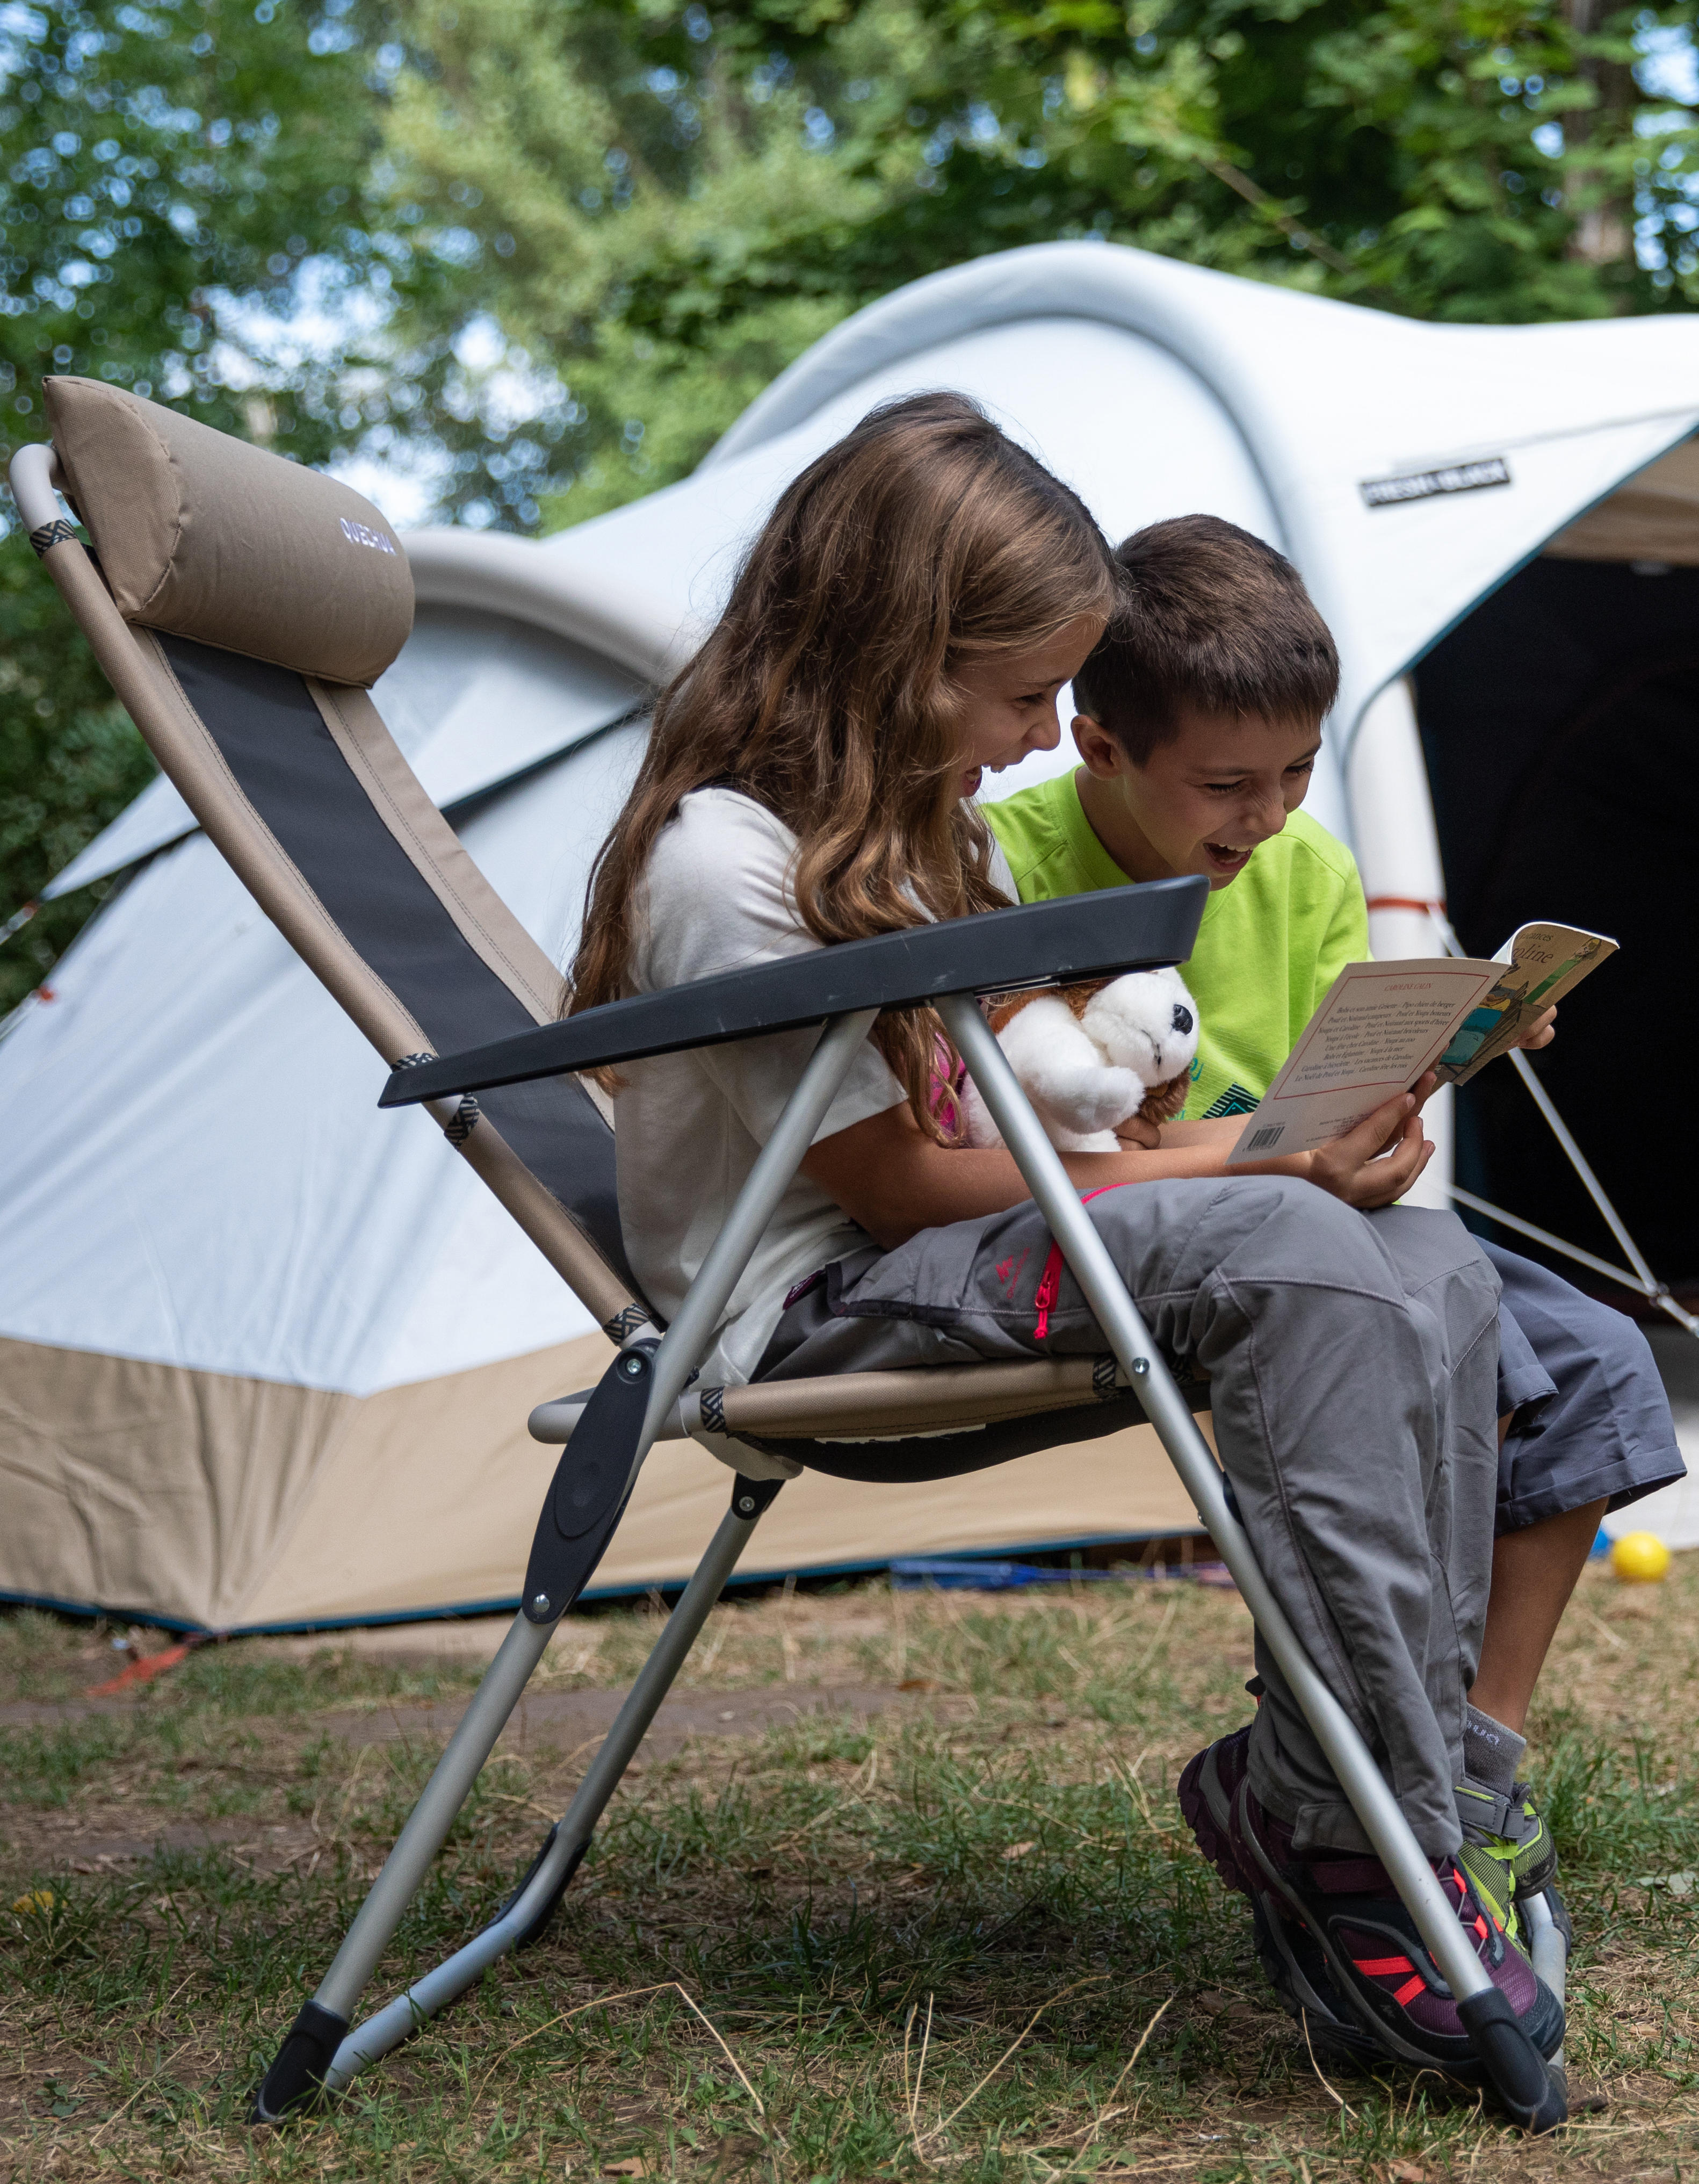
{"points": [[522, 260], [184, 194], [669, 206]]}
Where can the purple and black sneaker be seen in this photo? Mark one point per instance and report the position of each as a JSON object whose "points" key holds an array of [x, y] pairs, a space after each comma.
{"points": [[1339, 1947]]}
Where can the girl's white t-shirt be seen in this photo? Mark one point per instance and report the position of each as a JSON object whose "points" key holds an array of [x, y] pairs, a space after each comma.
{"points": [[716, 897]]}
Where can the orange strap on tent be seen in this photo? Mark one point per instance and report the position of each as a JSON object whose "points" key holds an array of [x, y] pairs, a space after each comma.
{"points": [[1405, 902], [144, 1670]]}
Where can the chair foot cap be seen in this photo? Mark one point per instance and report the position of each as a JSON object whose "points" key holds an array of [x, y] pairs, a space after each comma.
{"points": [[295, 2080]]}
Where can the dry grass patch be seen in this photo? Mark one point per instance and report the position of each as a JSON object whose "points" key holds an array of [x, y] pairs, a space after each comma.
{"points": [[964, 1936]]}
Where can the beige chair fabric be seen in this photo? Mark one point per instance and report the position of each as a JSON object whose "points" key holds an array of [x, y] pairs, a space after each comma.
{"points": [[202, 536]]}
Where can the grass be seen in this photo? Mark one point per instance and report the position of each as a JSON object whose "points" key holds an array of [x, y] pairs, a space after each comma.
{"points": [[963, 1937]]}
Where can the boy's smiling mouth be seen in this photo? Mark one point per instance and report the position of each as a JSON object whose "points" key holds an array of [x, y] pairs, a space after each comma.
{"points": [[1226, 860]]}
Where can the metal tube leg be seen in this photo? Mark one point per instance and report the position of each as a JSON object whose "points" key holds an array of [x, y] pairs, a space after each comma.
{"points": [[699, 1316], [1643, 1277], [428, 1824], [300, 2065], [569, 1839], [1650, 1284], [303, 2063], [1549, 1949], [1484, 2011]]}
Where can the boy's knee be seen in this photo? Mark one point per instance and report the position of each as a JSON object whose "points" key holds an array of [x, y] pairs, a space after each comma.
{"points": [[1613, 1338]]}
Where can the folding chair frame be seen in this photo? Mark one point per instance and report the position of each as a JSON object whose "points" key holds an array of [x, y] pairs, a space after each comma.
{"points": [[321, 2051], [637, 1398]]}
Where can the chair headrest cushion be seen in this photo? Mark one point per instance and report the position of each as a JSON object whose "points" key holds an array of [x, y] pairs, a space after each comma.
{"points": [[203, 535]]}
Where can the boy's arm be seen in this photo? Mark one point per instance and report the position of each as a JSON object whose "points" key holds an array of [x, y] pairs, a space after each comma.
{"points": [[1344, 941], [894, 1181]]}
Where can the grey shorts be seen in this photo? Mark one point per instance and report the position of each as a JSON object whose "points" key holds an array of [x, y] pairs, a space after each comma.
{"points": [[1592, 1420]]}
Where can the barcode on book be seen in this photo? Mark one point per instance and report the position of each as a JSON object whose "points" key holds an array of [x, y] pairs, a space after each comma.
{"points": [[1259, 1141]]}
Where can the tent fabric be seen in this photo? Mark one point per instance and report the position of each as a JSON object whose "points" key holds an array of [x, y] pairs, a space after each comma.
{"points": [[209, 1222], [216, 1502], [1655, 517]]}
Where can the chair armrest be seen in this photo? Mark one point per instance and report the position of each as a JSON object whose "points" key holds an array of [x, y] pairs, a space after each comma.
{"points": [[1045, 943]]}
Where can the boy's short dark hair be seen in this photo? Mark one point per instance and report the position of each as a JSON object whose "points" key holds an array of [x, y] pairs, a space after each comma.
{"points": [[1209, 619]]}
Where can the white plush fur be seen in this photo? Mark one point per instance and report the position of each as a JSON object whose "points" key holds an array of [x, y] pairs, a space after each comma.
{"points": [[1084, 1074]]}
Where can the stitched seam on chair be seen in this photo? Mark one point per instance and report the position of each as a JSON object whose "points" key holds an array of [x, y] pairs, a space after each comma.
{"points": [[308, 894], [402, 825], [247, 652], [177, 535]]}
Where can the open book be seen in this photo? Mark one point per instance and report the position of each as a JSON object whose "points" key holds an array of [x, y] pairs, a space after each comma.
{"points": [[1381, 1025]]}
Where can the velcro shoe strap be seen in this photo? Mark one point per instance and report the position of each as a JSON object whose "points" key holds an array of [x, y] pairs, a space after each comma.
{"points": [[1493, 1812]]}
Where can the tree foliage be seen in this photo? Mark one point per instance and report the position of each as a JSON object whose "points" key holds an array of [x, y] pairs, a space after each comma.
{"points": [[545, 251], [169, 171], [668, 206]]}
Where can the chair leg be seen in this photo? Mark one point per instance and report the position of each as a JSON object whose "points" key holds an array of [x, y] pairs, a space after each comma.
{"points": [[1512, 2065], [1549, 1947], [321, 2055], [589, 1490]]}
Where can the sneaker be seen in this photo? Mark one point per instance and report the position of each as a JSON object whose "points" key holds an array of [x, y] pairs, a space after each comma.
{"points": [[1338, 1947], [1291, 1963], [1507, 1847], [1379, 1967]]}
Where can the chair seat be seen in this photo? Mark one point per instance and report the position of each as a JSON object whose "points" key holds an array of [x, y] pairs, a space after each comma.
{"points": [[935, 1422]]}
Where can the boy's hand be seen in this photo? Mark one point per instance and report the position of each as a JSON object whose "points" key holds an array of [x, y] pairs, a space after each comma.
{"points": [[1138, 1135], [1543, 1031], [1352, 1167]]}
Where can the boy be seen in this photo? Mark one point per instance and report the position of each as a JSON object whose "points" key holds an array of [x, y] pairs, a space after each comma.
{"points": [[1200, 720]]}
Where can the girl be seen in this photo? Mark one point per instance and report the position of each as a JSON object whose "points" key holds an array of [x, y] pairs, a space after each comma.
{"points": [[905, 619]]}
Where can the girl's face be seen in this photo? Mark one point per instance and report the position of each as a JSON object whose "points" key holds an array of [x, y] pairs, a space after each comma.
{"points": [[1008, 701]]}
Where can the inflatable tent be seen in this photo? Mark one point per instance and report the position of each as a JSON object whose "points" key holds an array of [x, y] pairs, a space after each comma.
{"points": [[243, 1392]]}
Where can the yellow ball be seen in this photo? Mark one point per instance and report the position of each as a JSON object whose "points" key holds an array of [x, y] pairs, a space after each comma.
{"points": [[1640, 1558]]}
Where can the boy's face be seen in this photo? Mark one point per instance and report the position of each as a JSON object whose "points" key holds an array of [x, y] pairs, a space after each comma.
{"points": [[1203, 801]]}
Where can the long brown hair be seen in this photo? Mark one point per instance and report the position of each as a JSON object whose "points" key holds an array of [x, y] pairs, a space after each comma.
{"points": [[924, 539]]}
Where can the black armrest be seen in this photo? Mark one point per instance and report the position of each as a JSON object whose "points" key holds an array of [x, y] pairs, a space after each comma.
{"points": [[1045, 943]]}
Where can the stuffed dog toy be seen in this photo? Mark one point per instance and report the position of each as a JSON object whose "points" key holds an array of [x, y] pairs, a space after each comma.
{"points": [[1090, 1056]]}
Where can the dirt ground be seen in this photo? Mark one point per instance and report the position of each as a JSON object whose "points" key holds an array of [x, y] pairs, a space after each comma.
{"points": [[871, 1837]]}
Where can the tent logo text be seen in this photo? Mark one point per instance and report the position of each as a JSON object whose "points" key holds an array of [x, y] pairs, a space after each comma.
{"points": [[362, 534], [1423, 485]]}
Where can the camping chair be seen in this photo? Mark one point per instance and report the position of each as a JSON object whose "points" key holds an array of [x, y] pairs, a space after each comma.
{"points": [[240, 605]]}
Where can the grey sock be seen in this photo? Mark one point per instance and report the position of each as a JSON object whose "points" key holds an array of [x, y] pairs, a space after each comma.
{"points": [[1491, 1753]]}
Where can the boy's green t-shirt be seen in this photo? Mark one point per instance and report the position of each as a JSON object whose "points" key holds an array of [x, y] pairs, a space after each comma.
{"points": [[1270, 945]]}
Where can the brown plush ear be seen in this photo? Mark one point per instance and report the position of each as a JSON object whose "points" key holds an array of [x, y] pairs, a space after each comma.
{"points": [[1163, 1102], [1007, 1007], [1003, 1008], [1077, 996]]}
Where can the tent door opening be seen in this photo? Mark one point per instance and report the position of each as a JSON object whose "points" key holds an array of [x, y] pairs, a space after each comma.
{"points": [[1560, 726]]}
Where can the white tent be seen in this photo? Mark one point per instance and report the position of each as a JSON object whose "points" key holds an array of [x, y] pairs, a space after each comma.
{"points": [[266, 1355]]}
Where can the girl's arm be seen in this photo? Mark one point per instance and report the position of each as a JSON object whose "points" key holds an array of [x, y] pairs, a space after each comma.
{"points": [[893, 1181]]}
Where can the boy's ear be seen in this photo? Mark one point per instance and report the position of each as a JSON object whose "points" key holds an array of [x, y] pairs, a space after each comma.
{"points": [[1098, 749]]}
